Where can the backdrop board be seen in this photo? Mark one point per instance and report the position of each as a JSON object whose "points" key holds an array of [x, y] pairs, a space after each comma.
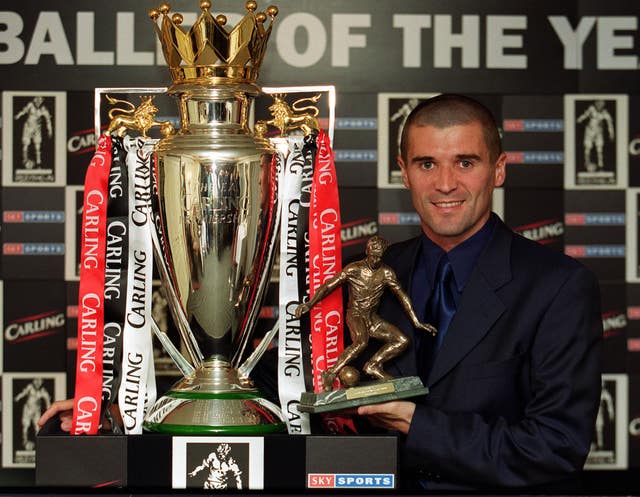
{"points": [[562, 79]]}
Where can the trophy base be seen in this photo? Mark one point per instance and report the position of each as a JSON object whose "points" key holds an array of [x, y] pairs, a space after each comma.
{"points": [[373, 392], [205, 413], [213, 400]]}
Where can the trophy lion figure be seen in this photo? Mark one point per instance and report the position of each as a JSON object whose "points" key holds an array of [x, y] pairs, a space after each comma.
{"points": [[286, 117], [141, 118]]}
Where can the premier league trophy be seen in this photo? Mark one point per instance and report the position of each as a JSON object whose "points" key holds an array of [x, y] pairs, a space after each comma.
{"points": [[217, 220]]}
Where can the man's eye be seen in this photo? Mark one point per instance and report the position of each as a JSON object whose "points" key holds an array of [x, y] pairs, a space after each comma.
{"points": [[465, 164], [426, 165]]}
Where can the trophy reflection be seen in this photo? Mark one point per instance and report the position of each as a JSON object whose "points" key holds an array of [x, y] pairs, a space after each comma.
{"points": [[218, 219], [367, 280]]}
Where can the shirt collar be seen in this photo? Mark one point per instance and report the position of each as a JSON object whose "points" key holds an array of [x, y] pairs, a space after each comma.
{"points": [[463, 257]]}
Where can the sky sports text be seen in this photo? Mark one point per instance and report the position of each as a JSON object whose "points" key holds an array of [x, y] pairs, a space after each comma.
{"points": [[325, 480]]}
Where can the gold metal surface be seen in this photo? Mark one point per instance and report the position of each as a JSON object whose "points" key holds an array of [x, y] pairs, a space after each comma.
{"points": [[209, 53], [132, 118], [288, 118]]}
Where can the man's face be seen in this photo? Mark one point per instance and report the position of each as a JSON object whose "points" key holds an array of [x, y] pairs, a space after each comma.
{"points": [[451, 179]]}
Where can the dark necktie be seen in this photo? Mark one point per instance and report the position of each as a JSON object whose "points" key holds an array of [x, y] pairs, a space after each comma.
{"points": [[440, 311]]}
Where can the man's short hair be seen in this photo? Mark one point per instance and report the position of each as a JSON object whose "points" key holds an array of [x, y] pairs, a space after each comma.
{"points": [[377, 242], [447, 110]]}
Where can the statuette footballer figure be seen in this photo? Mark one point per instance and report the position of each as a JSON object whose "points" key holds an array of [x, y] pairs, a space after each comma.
{"points": [[367, 281]]}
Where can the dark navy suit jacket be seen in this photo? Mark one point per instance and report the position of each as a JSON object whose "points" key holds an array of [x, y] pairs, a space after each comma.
{"points": [[515, 387]]}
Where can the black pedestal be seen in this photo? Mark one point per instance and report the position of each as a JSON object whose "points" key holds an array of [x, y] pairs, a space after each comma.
{"points": [[162, 462]]}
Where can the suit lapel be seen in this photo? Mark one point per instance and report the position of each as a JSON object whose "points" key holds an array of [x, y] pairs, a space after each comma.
{"points": [[479, 306]]}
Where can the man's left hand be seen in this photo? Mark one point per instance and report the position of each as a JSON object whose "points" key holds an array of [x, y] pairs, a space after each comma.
{"points": [[394, 415]]}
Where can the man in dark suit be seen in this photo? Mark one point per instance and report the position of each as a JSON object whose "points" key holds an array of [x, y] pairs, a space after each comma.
{"points": [[514, 378]]}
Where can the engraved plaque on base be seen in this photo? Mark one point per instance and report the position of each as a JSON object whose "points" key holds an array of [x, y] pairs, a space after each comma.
{"points": [[373, 392]]}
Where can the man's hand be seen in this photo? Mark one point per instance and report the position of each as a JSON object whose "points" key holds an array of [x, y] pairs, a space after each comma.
{"points": [[302, 309], [61, 408], [427, 327], [394, 415]]}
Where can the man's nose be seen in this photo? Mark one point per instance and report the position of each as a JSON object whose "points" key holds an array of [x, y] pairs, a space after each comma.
{"points": [[446, 180]]}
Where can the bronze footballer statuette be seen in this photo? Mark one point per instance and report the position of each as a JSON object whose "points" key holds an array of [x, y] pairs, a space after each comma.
{"points": [[367, 280]]}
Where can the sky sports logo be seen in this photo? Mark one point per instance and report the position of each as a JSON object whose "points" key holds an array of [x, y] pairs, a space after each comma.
{"points": [[33, 216], [586, 251], [595, 219], [356, 123], [530, 157], [398, 218], [356, 155], [330, 480], [33, 249], [533, 125]]}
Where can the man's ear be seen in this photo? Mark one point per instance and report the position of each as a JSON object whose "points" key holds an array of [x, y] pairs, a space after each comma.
{"points": [[501, 170], [403, 168]]}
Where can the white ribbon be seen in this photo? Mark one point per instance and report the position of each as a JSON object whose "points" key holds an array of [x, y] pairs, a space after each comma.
{"points": [[138, 387], [291, 362]]}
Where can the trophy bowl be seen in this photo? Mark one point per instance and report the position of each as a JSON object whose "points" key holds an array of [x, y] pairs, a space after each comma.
{"points": [[217, 219]]}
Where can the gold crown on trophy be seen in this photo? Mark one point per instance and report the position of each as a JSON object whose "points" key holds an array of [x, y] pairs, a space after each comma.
{"points": [[208, 51]]}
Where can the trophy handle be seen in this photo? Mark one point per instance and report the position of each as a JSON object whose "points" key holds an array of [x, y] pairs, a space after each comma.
{"points": [[182, 364], [247, 366], [176, 311], [264, 276]]}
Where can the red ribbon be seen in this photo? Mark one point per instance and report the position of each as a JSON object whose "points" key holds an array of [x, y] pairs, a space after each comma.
{"points": [[325, 261], [88, 393]]}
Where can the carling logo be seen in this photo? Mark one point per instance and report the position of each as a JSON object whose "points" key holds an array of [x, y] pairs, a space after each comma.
{"points": [[33, 248], [36, 326], [33, 216], [329, 480], [533, 125], [613, 322], [543, 232], [398, 218], [634, 146], [358, 231], [532, 157], [586, 251], [595, 218], [82, 142]]}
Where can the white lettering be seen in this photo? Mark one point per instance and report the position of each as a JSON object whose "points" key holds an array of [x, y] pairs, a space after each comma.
{"points": [[12, 46], [316, 40], [445, 40], [125, 43], [343, 40], [572, 40], [412, 26], [497, 41], [85, 42], [608, 42], [49, 38]]}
